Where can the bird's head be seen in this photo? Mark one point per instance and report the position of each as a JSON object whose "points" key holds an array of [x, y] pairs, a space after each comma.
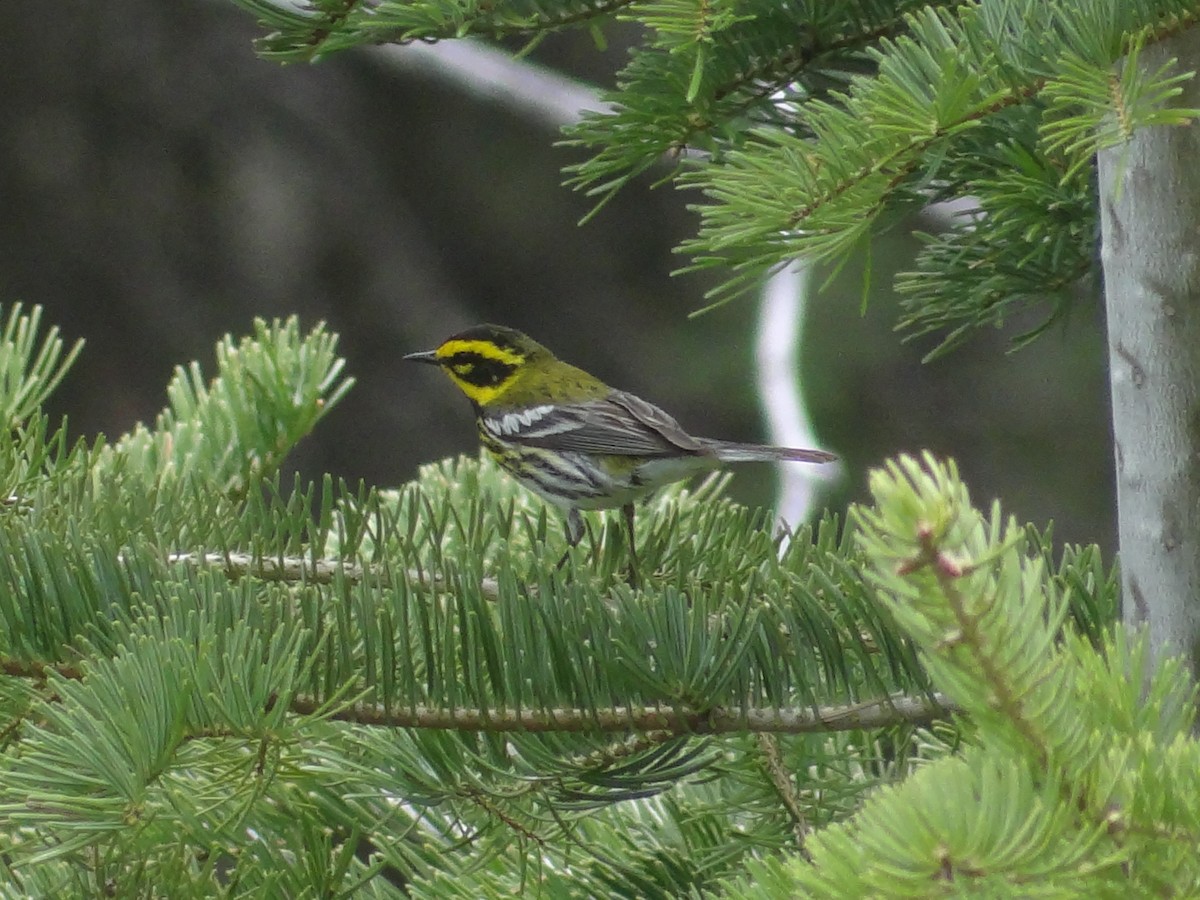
{"points": [[498, 366]]}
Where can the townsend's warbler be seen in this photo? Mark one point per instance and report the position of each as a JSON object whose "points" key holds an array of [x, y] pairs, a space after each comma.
{"points": [[569, 437]]}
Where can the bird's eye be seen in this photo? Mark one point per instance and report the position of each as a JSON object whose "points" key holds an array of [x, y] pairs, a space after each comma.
{"points": [[463, 368]]}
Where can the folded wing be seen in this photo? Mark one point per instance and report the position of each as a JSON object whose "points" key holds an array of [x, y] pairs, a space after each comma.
{"points": [[619, 424]]}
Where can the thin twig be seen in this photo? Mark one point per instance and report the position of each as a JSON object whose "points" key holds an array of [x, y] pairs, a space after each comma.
{"points": [[781, 778]]}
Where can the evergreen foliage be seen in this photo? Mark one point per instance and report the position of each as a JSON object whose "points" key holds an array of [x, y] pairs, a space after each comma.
{"points": [[809, 126], [1078, 775], [214, 682], [213, 685]]}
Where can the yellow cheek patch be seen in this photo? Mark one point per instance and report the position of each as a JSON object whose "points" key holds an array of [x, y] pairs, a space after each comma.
{"points": [[481, 395], [486, 349]]}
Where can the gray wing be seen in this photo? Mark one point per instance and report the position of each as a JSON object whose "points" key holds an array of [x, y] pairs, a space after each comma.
{"points": [[620, 424]]}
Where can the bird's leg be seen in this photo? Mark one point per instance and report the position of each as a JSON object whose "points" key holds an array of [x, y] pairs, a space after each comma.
{"points": [[574, 529], [627, 511]]}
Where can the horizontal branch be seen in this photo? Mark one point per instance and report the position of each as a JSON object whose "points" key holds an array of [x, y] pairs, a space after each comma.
{"points": [[897, 709], [312, 571]]}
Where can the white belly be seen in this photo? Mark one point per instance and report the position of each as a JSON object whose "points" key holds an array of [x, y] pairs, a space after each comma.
{"points": [[613, 484]]}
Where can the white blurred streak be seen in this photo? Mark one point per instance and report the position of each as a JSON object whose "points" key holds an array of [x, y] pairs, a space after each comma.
{"points": [[530, 90], [780, 329]]}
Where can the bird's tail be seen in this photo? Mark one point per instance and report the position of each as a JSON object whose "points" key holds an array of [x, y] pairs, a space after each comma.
{"points": [[729, 451]]}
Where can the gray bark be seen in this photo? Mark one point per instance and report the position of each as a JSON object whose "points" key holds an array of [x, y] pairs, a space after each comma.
{"points": [[1150, 220]]}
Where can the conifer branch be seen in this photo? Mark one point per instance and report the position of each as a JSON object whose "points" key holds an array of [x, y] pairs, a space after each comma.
{"points": [[968, 633], [332, 22], [767, 76], [655, 722], [871, 714], [494, 810], [343, 24], [498, 30], [915, 150], [781, 780], [33, 669], [299, 569], [621, 749]]}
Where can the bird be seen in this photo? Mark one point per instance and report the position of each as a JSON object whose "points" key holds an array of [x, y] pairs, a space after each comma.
{"points": [[570, 438]]}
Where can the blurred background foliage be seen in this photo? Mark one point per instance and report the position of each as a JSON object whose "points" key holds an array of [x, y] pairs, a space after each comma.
{"points": [[161, 186]]}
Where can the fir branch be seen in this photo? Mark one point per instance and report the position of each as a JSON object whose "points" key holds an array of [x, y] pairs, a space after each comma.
{"points": [[969, 634], [764, 77], [964, 590], [900, 138], [34, 669], [270, 391], [498, 29], [336, 12], [671, 101], [680, 721], [781, 780], [30, 368], [346, 24], [1069, 745], [635, 745], [753, 228], [332, 662], [496, 811], [304, 570], [654, 722], [863, 107]]}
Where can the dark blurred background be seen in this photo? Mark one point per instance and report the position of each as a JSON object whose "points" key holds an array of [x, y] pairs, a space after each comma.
{"points": [[160, 186]]}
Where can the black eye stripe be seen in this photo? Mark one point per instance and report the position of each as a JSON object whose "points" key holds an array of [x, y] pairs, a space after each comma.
{"points": [[467, 358], [483, 372]]}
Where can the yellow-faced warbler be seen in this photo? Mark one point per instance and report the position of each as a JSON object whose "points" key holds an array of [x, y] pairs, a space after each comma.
{"points": [[571, 438]]}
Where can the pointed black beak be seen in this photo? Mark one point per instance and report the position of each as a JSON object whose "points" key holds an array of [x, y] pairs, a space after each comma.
{"points": [[425, 356]]}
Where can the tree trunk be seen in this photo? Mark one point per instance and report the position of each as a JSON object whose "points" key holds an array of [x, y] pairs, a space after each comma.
{"points": [[1150, 220]]}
